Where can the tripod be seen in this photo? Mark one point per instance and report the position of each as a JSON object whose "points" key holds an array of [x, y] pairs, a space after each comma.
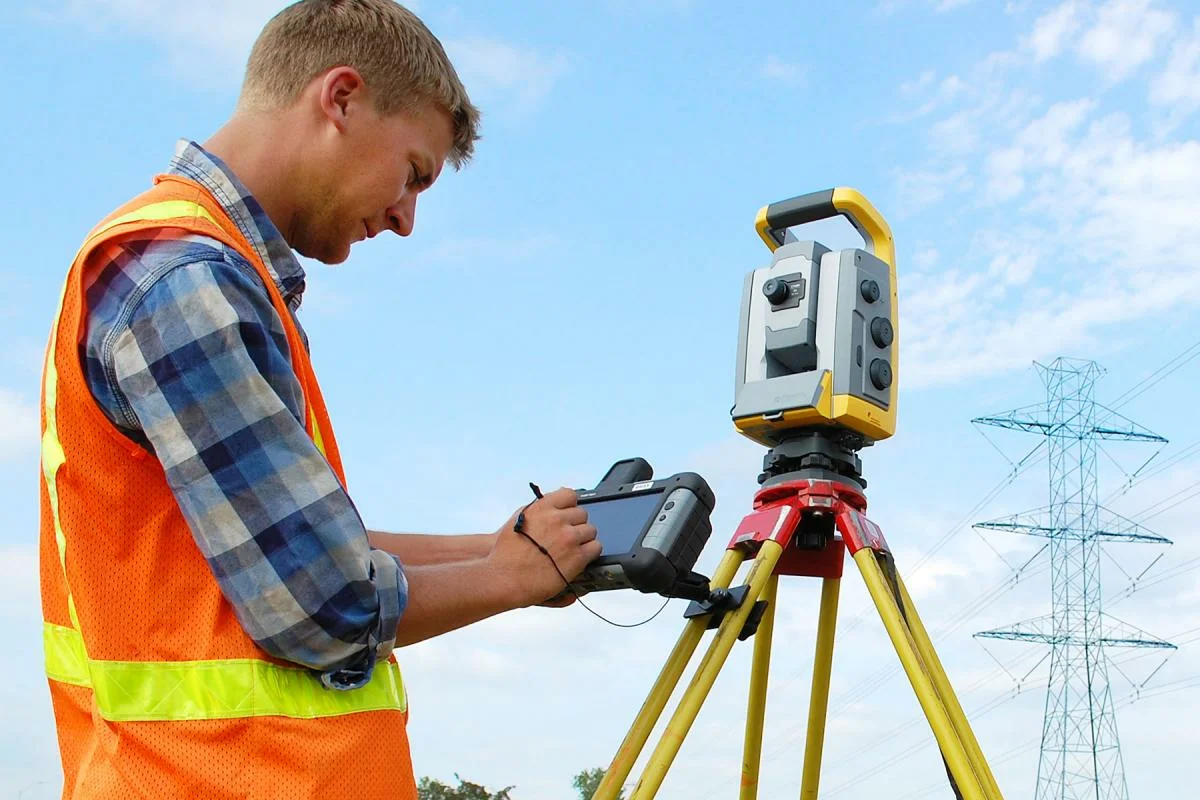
{"points": [[809, 512]]}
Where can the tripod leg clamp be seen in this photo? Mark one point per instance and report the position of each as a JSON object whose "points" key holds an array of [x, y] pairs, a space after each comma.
{"points": [[723, 601]]}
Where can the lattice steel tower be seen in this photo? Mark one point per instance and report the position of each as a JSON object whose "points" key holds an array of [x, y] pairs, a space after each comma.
{"points": [[1081, 753]]}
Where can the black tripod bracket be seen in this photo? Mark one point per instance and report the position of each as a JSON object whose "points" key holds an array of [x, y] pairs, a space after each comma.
{"points": [[722, 601]]}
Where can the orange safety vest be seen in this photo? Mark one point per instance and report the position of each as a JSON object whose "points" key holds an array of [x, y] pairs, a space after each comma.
{"points": [[157, 690]]}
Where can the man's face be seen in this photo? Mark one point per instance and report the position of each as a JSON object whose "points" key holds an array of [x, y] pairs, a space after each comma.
{"points": [[371, 174]]}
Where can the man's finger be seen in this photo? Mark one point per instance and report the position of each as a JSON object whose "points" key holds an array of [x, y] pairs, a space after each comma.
{"points": [[586, 533], [576, 515], [563, 498]]}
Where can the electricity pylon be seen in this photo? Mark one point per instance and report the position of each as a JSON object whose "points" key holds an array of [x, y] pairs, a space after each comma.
{"points": [[1081, 752]]}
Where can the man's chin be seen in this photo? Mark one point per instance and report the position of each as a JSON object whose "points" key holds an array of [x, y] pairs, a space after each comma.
{"points": [[326, 255]]}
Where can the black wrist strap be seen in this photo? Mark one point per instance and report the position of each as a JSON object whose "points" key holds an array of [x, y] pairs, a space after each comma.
{"points": [[519, 527]]}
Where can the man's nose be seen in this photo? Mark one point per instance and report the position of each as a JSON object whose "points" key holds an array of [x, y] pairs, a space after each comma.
{"points": [[402, 215]]}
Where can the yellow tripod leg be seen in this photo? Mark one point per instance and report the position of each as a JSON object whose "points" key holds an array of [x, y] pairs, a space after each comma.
{"points": [[818, 704], [706, 674], [756, 710], [953, 749], [660, 693], [949, 698]]}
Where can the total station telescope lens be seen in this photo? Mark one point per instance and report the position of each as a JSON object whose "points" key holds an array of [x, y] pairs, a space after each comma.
{"points": [[776, 291]]}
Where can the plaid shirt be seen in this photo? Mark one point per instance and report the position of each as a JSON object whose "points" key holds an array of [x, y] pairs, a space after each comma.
{"points": [[186, 355]]}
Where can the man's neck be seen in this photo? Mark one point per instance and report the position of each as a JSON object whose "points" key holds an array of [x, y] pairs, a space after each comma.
{"points": [[260, 151]]}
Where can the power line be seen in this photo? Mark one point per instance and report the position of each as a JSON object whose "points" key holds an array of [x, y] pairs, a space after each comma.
{"points": [[1135, 479], [1183, 637], [978, 713], [1144, 385], [1164, 510], [868, 772], [1137, 585], [870, 684], [1020, 468]]}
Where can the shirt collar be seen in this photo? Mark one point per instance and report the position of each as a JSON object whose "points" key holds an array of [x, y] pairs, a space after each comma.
{"points": [[193, 161]]}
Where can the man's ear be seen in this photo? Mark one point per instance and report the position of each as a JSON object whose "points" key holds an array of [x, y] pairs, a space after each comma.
{"points": [[341, 89]]}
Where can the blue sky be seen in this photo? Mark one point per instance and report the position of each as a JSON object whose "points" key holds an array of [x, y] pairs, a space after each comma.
{"points": [[571, 298]]}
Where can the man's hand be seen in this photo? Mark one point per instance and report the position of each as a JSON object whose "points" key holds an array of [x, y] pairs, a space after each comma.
{"points": [[514, 573], [559, 525]]}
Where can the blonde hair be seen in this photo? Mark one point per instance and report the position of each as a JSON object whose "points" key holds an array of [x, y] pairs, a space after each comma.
{"points": [[401, 61]]}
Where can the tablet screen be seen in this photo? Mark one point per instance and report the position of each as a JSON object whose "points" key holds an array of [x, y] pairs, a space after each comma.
{"points": [[620, 520]]}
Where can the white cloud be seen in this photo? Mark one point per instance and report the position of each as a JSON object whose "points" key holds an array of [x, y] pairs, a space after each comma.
{"points": [[496, 71], [1052, 30], [1177, 87], [505, 75], [925, 187], [926, 259], [948, 89], [20, 426], [1116, 195], [951, 87], [1125, 36], [1043, 142], [777, 69], [923, 82], [956, 133], [1109, 200], [1013, 270], [1117, 37], [212, 60], [1046, 137], [1076, 186], [1099, 194], [1004, 173], [934, 574], [957, 331]]}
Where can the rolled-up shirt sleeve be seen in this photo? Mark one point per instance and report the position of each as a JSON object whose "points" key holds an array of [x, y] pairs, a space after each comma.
{"points": [[202, 369]]}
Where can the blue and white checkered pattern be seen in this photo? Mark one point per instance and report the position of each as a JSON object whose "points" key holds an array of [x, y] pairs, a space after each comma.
{"points": [[185, 353]]}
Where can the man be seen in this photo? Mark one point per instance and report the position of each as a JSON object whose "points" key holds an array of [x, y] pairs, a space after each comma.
{"points": [[218, 622]]}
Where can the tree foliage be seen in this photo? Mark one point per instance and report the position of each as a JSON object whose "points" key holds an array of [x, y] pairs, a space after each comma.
{"points": [[430, 789], [588, 781]]}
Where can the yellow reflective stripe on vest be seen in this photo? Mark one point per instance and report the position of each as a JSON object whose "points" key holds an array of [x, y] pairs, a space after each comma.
{"points": [[142, 691], [53, 456], [167, 209], [318, 439], [66, 660]]}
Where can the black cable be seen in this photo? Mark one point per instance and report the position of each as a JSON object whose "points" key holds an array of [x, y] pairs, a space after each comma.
{"points": [[519, 527]]}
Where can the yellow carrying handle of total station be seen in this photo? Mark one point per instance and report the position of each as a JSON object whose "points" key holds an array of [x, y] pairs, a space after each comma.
{"points": [[774, 220]]}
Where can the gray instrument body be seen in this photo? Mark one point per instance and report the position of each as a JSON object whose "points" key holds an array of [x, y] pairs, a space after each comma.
{"points": [[835, 318]]}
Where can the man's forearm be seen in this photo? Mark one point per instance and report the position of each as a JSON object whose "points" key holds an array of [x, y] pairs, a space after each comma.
{"points": [[444, 597], [423, 549]]}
